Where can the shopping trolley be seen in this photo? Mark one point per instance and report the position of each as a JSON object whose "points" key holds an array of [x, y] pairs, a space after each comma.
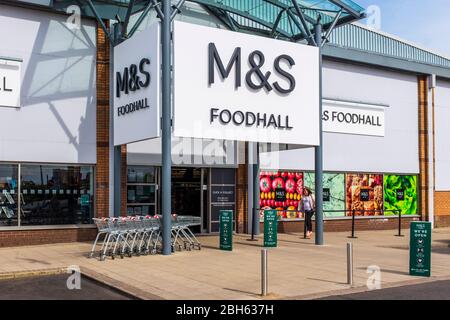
{"points": [[138, 235], [103, 229], [182, 232], [182, 235]]}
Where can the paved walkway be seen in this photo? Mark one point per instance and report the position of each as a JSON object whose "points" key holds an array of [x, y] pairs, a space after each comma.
{"points": [[297, 268]]}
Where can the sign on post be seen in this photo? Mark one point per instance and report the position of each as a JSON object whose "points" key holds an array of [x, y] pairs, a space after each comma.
{"points": [[420, 249], [244, 87], [226, 230], [270, 228], [137, 87]]}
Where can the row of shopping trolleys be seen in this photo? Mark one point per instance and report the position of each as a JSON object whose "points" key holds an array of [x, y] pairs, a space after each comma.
{"points": [[141, 235]]}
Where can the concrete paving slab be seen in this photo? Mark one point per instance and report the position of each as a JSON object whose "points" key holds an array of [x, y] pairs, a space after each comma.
{"points": [[297, 268]]}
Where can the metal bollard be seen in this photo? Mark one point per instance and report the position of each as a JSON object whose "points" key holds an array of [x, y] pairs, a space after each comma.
{"points": [[353, 226], [399, 224], [264, 272], [350, 263]]}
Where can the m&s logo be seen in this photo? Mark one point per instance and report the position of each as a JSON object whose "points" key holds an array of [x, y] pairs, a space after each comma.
{"points": [[256, 60], [133, 78]]}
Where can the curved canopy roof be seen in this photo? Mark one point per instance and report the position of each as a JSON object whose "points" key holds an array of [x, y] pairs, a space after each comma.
{"points": [[288, 19], [291, 19]]}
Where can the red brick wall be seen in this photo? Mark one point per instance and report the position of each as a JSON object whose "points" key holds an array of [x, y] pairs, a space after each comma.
{"points": [[15, 238], [442, 209], [102, 168]]}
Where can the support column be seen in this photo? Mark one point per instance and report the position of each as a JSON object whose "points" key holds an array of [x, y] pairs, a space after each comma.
{"points": [[319, 149], [431, 148], [256, 193], [250, 181], [166, 172], [116, 151], [424, 155], [118, 154]]}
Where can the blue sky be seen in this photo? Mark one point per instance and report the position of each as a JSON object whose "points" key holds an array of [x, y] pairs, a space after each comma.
{"points": [[425, 22]]}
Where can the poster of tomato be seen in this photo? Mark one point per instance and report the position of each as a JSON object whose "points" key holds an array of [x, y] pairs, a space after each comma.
{"points": [[281, 190]]}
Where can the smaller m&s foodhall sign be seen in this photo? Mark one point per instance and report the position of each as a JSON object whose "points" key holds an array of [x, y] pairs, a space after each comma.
{"points": [[137, 87], [353, 118]]}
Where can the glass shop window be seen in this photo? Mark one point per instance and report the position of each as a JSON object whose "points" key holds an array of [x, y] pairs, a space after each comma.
{"points": [[141, 190], [8, 195], [57, 195]]}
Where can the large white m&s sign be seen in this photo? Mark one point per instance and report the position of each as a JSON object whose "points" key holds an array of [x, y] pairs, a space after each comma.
{"points": [[136, 87], [233, 86]]}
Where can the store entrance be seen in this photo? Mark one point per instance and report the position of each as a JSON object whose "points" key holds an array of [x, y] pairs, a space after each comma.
{"points": [[188, 196]]}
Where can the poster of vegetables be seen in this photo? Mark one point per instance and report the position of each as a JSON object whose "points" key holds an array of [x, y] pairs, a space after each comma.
{"points": [[364, 194], [281, 190], [400, 193], [334, 184]]}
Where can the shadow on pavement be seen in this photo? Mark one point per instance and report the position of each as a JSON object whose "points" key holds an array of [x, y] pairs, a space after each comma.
{"points": [[241, 291], [403, 273], [328, 281]]}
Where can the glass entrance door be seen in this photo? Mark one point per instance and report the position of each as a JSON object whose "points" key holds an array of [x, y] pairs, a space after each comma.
{"points": [[187, 193]]}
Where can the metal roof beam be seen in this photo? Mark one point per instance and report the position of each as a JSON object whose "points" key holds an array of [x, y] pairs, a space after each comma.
{"points": [[277, 22], [347, 8], [127, 19], [176, 9], [299, 26], [223, 16], [99, 19], [150, 5], [303, 21], [331, 28]]}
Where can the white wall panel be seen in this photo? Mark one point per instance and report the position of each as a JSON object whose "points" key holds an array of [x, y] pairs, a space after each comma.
{"points": [[57, 119], [397, 152], [442, 131]]}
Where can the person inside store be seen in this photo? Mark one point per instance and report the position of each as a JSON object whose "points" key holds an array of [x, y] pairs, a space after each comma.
{"points": [[307, 206]]}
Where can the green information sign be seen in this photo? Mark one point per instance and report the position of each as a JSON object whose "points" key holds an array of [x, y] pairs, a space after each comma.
{"points": [[270, 228], [85, 199], [226, 230], [420, 249]]}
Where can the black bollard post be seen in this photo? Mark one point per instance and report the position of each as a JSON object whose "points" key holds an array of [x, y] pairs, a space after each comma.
{"points": [[304, 225], [399, 223], [353, 226]]}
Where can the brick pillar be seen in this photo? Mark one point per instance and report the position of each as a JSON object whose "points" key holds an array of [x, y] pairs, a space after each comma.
{"points": [[102, 169], [103, 108], [423, 146]]}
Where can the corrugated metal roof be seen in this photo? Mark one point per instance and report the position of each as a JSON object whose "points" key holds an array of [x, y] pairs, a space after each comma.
{"points": [[360, 37]]}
